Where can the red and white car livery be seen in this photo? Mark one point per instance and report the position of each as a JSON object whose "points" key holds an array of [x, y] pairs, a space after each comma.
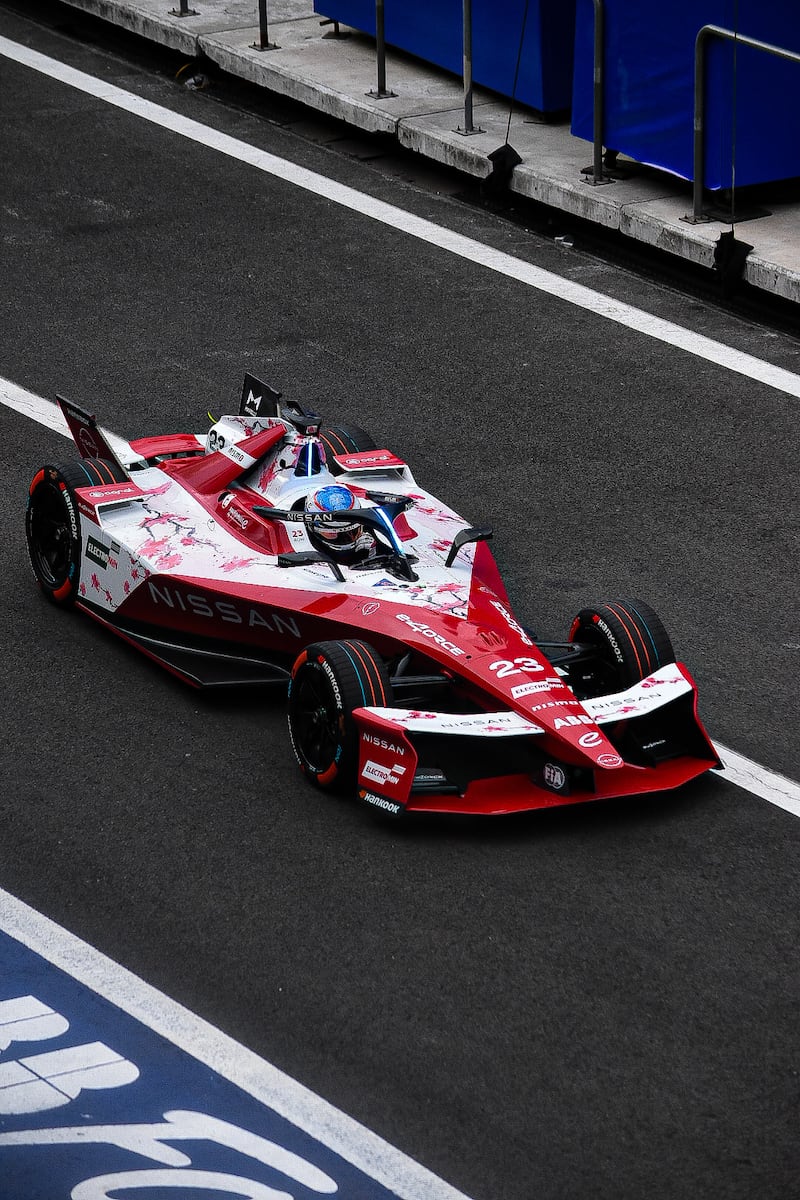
{"points": [[410, 680]]}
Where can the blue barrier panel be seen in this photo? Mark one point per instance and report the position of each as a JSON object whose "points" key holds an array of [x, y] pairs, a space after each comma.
{"points": [[649, 86], [434, 32]]}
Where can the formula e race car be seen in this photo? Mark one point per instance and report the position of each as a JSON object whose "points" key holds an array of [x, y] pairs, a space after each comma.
{"points": [[276, 549]]}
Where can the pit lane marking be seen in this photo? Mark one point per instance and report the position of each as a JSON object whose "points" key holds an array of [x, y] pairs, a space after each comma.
{"points": [[427, 231], [209, 1046], [743, 772], [759, 781]]}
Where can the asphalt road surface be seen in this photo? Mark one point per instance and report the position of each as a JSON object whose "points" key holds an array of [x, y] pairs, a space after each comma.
{"points": [[591, 1003]]}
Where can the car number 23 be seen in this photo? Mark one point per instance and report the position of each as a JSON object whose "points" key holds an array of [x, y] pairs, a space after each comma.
{"points": [[503, 667]]}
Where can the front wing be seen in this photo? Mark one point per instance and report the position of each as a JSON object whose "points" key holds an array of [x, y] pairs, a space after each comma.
{"points": [[493, 763]]}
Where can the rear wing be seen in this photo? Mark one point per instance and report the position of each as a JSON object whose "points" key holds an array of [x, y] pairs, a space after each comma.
{"points": [[94, 442], [260, 400]]}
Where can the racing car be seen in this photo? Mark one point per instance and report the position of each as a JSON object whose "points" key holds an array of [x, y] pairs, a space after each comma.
{"points": [[279, 549]]}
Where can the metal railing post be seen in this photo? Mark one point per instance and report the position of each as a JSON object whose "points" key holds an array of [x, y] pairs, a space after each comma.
{"points": [[183, 10], [598, 96], [263, 42], [467, 60], [704, 35], [380, 48], [466, 14], [380, 41]]}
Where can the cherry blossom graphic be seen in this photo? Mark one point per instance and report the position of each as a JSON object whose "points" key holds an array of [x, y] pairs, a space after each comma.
{"points": [[159, 518], [156, 546], [437, 514], [235, 564], [267, 475], [161, 548]]}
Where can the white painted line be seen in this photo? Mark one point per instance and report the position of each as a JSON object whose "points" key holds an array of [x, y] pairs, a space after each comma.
{"points": [[760, 781], [33, 406], [748, 775], [427, 231], [47, 413], [234, 1062]]}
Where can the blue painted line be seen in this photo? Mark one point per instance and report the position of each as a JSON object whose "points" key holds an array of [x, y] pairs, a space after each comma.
{"points": [[104, 1101], [88, 1094]]}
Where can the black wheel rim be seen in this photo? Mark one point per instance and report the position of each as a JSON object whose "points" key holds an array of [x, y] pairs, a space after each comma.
{"points": [[50, 536], [314, 721], [607, 674]]}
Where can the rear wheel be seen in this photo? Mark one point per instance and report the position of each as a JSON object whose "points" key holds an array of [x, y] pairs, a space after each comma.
{"points": [[630, 640], [52, 523], [343, 440], [329, 680]]}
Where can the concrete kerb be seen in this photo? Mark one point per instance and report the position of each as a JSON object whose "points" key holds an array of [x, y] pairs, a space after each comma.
{"points": [[153, 22], [299, 71], [293, 72]]}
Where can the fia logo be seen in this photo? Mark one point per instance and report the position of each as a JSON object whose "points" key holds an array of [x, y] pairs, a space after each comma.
{"points": [[554, 777]]}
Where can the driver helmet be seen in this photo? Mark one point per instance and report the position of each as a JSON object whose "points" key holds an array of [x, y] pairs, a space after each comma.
{"points": [[341, 540]]}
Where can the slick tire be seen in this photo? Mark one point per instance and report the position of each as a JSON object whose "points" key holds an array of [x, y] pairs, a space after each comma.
{"points": [[53, 527], [630, 640], [344, 439], [329, 680]]}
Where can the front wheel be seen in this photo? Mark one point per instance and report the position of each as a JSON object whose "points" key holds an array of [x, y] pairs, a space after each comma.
{"points": [[629, 640], [329, 680]]}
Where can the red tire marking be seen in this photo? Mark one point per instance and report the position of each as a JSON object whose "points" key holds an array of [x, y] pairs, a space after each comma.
{"points": [[299, 662], [100, 466], [62, 592], [328, 775], [367, 660], [333, 439], [627, 633], [37, 479], [650, 664]]}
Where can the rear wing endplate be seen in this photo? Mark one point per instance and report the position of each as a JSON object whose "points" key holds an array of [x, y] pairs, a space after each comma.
{"points": [[94, 442]]}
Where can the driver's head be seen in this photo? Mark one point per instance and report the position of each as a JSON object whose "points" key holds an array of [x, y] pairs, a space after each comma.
{"points": [[341, 539]]}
